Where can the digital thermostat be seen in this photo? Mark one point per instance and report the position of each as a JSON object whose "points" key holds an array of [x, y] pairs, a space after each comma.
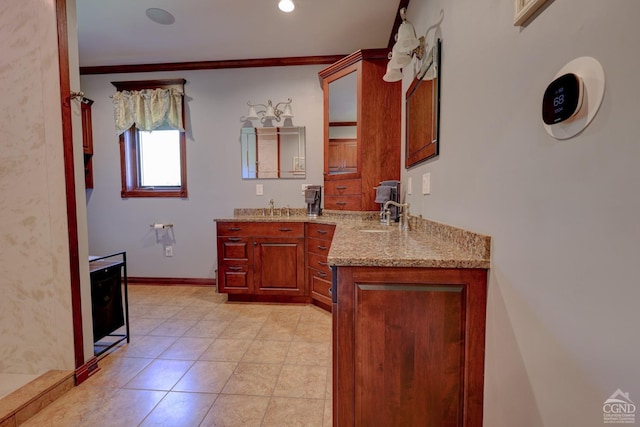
{"points": [[563, 99], [573, 98]]}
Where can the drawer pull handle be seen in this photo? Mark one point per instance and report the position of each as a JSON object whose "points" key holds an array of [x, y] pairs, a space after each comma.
{"points": [[322, 231], [341, 203], [234, 268], [322, 248], [285, 229], [324, 264], [234, 228], [341, 187], [234, 239], [330, 291], [322, 274]]}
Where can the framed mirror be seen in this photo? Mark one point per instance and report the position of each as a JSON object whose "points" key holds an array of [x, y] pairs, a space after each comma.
{"points": [[273, 152], [423, 111]]}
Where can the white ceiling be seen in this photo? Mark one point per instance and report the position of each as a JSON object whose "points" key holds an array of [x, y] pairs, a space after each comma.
{"points": [[118, 32]]}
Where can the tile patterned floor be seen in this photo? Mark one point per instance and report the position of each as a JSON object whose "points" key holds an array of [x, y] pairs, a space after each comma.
{"points": [[195, 360]]}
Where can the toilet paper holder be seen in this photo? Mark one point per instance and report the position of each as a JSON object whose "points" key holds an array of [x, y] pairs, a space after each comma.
{"points": [[158, 226]]}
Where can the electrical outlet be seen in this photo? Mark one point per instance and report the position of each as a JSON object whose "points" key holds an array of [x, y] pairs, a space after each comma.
{"points": [[426, 183], [409, 185], [168, 251], [259, 190]]}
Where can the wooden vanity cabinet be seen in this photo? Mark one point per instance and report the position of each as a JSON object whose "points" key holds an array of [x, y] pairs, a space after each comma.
{"points": [[319, 238], [408, 346], [261, 261], [362, 119]]}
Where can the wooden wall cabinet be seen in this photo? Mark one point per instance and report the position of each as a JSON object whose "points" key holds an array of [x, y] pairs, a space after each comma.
{"points": [[319, 238], [261, 261], [87, 141], [362, 119], [408, 346]]}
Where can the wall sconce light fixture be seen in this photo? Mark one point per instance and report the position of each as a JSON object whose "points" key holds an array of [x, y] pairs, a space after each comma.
{"points": [[269, 113], [406, 47]]}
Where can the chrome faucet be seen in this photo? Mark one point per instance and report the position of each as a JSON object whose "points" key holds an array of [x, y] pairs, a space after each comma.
{"points": [[271, 207], [404, 216]]}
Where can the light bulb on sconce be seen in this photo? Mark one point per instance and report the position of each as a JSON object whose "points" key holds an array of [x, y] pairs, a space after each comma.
{"points": [[286, 6], [270, 113], [407, 47]]}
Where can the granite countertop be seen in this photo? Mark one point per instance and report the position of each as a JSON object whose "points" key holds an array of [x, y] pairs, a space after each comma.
{"points": [[361, 240]]}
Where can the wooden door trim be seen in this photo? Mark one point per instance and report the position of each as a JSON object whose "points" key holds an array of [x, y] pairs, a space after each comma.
{"points": [[70, 184]]}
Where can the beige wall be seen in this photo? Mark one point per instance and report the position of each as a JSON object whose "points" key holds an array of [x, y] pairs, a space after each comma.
{"points": [[35, 308]]}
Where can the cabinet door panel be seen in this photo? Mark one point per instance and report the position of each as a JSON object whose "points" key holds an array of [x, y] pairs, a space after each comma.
{"points": [[279, 266], [408, 346], [343, 156], [416, 370]]}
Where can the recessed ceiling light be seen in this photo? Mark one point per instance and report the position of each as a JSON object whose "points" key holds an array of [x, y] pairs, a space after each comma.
{"points": [[160, 16], [286, 5]]}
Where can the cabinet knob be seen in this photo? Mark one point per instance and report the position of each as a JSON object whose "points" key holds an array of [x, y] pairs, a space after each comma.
{"points": [[255, 243]]}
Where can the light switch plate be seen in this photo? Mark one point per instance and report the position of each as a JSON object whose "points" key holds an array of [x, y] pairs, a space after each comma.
{"points": [[409, 185], [304, 187], [259, 190], [426, 183]]}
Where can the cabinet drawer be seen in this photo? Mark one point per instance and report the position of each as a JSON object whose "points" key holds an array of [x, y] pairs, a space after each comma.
{"points": [[347, 203], [319, 262], [234, 278], [234, 248], [343, 187], [318, 246], [262, 229], [320, 231], [320, 287]]}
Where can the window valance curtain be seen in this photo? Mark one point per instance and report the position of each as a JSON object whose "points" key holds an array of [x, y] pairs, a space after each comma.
{"points": [[148, 109]]}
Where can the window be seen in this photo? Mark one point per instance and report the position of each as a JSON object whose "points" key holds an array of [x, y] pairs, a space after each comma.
{"points": [[153, 163], [159, 158]]}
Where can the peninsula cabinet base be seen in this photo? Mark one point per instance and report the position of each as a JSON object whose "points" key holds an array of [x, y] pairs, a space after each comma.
{"points": [[408, 346]]}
